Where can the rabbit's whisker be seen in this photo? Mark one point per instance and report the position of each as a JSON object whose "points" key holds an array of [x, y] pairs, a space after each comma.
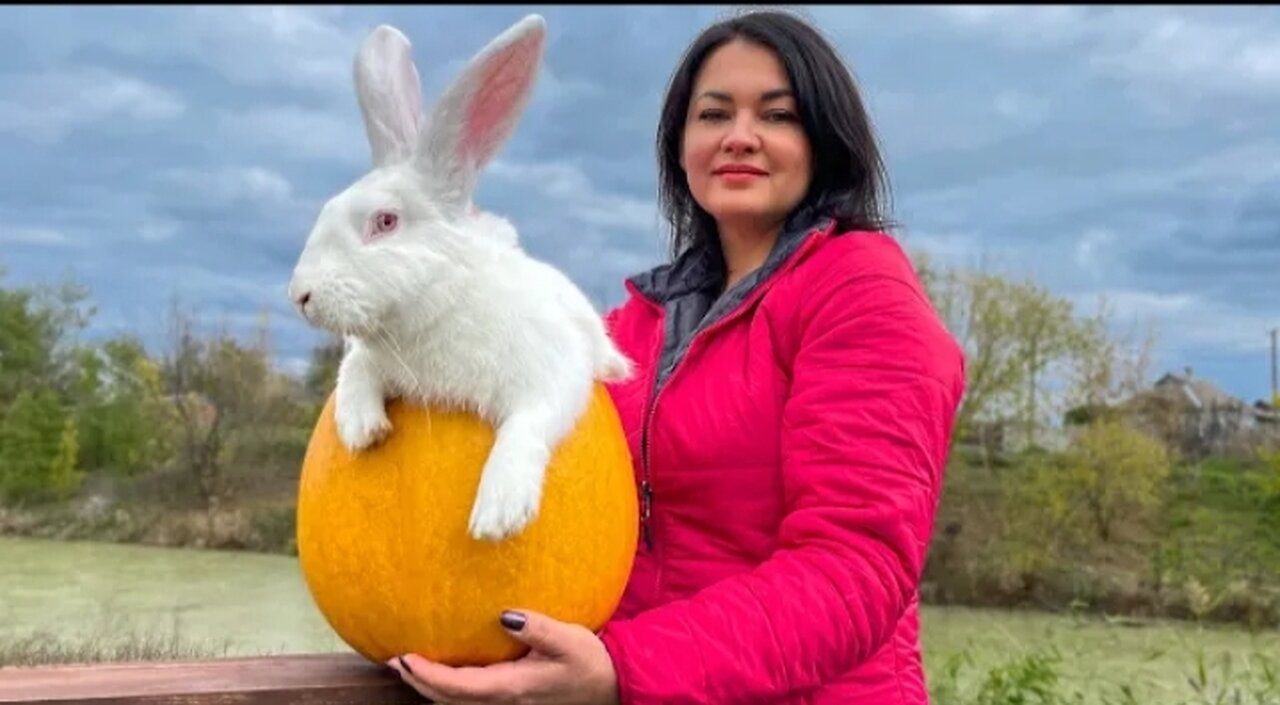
{"points": [[394, 348]]}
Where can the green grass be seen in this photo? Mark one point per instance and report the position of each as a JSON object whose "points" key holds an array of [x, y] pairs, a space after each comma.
{"points": [[111, 640], [1089, 660]]}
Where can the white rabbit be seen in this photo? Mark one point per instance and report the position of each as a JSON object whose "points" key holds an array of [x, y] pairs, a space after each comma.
{"points": [[436, 300]]}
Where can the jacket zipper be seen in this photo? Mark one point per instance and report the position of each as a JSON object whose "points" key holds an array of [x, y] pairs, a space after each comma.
{"points": [[646, 488], [646, 485]]}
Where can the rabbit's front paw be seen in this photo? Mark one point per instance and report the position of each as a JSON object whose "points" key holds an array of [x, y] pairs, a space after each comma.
{"points": [[508, 497], [361, 425]]}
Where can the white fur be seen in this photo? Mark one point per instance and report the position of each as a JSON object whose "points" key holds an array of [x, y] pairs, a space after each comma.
{"points": [[448, 310]]}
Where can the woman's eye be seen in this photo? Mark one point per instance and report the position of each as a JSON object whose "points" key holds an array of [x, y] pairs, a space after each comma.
{"points": [[771, 116]]}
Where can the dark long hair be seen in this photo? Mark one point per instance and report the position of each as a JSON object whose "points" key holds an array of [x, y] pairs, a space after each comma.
{"points": [[849, 179]]}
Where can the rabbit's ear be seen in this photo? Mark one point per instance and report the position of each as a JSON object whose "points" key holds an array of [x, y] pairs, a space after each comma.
{"points": [[479, 111], [390, 94]]}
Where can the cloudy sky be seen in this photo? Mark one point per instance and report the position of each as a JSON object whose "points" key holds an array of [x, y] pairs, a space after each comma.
{"points": [[155, 152]]}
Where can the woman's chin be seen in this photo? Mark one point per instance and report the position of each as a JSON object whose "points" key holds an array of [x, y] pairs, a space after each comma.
{"points": [[744, 213]]}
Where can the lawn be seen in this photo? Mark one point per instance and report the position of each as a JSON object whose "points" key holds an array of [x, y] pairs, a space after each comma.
{"points": [[1159, 662]]}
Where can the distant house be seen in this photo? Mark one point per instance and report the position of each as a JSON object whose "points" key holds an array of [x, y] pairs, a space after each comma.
{"points": [[1267, 416], [1196, 416]]}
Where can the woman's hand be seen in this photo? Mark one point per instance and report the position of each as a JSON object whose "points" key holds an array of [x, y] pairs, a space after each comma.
{"points": [[566, 664]]}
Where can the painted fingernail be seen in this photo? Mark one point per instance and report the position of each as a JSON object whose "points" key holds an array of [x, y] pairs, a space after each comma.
{"points": [[404, 664], [512, 620]]}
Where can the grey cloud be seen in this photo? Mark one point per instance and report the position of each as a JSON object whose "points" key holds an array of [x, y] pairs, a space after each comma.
{"points": [[1230, 252], [37, 236], [290, 132], [1173, 58], [1258, 222], [1056, 141], [46, 106]]}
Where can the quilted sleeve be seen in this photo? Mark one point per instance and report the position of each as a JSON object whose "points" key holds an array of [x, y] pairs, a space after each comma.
{"points": [[876, 381]]}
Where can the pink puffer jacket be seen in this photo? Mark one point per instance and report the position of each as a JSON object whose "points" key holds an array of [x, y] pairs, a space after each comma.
{"points": [[789, 444]]}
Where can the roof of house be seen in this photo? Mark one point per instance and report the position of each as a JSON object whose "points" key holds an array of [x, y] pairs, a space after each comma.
{"points": [[1199, 392]]}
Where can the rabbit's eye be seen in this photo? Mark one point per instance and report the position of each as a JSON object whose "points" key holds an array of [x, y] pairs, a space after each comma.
{"points": [[379, 225]]}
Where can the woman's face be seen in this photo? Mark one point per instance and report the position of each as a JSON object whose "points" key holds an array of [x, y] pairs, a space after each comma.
{"points": [[745, 152]]}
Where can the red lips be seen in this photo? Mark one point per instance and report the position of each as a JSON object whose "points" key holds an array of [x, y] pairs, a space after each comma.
{"points": [[740, 169]]}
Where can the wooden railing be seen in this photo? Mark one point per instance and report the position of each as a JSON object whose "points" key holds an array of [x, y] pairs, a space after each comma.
{"points": [[328, 679]]}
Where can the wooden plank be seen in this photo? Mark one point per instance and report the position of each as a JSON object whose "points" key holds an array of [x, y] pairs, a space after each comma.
{"points": [[312, 679]]}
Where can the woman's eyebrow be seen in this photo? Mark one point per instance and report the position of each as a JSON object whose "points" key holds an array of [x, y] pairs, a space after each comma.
{"points": [[771, 94]]}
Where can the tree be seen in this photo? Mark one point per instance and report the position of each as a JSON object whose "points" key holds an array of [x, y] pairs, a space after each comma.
{"points": [[38, 326], [223, 394], [1053, 506], [37, 449], [37, 347], [971, 307], [27, 338], [1030, 356], [1107, 367], [1044, 327], [1114, 471], [1016, 336], [123, 425], [65, 474]]}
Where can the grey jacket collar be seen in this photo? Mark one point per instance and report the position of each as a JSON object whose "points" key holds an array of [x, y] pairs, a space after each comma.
{"points": [[701, 270], [687, 290]]}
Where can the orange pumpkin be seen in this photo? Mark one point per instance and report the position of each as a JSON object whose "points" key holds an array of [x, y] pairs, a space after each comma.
{"points": [[384, 549]]}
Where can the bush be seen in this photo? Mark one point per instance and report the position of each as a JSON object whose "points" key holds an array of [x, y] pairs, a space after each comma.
{"points": [[38, 449]]}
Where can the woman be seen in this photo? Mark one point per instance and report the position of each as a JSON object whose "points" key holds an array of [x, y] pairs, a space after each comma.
{"points": [[790, 420]]}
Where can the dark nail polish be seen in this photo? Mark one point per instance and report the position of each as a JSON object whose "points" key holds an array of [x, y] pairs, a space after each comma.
{"points": [[404, 664], [512, 620]]}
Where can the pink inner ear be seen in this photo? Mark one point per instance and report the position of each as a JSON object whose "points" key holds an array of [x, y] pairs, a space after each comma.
{"points": [[499, 87]]}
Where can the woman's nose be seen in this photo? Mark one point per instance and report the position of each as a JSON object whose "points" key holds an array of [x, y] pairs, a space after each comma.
{"points": [[742, 136]]}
